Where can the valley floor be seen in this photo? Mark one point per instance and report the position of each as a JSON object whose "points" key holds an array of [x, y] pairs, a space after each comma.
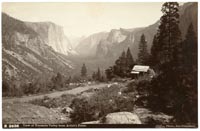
{"points": [[74, 91]]}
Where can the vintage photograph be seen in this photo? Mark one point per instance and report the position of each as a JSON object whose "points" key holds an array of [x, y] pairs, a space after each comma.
{"points": [[99, 64]]}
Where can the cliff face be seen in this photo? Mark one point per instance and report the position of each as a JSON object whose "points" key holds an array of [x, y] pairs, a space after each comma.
{"points": [[117, 41], [53, 35], [26, 53], [116, 36]]}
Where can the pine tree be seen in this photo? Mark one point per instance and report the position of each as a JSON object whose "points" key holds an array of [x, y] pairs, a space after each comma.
{"points": [[57, 81], [129, 62], [129, 59], [169, 35], [123, 65], [166, 47], [120, 66], [68, 81], [109, 73], [143, 53], [94, 76], [188, 78], [155, 50], [98, 74], [166, 43], [83, 71], [190, 48]]}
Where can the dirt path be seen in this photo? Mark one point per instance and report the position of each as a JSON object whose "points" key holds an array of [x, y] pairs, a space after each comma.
{"points": [[54, 94]]}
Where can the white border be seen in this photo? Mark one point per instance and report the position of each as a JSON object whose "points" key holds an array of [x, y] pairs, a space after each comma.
{"points": [[95, 1]]}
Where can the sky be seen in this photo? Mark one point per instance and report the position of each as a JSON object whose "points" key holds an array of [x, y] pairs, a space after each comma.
{"points": [[83, 19]]}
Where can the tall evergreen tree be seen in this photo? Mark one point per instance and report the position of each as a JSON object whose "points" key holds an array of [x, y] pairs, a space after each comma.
{"points": [[155, 50], [109, 73], [166, 43], [143, 53], [169, 35], [175, 88], [123, 64], [120, 66], [94, 76], [188, 78], [83, 71], [129, 59], [58, 81], [190, 48], [129, 62], [98, 74]]}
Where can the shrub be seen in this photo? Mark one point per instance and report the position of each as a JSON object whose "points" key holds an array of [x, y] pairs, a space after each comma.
{"points": [[48, 102], [138, 86], [130, 87], [11, 90], [143, 87], [82, 111], [105, 101], [140, 90]]}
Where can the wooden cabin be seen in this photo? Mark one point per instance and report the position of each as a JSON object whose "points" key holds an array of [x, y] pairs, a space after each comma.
{"points": [[141, 70]]}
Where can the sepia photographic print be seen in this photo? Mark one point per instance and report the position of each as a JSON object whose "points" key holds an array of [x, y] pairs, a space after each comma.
{"points": [[99, 64]]}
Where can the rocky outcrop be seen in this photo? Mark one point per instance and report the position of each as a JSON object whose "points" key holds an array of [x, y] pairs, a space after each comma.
{"points": [[149, 117], [140, 116], [116, 36], [91, 122], [117, 118], [121, 118]]}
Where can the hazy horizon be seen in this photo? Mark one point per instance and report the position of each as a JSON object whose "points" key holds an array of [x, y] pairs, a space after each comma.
{"points": [[83, 19]]}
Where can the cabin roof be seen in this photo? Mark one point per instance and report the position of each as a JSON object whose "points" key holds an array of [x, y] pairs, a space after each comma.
{"points": [[139, 68], [135, 72]]}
